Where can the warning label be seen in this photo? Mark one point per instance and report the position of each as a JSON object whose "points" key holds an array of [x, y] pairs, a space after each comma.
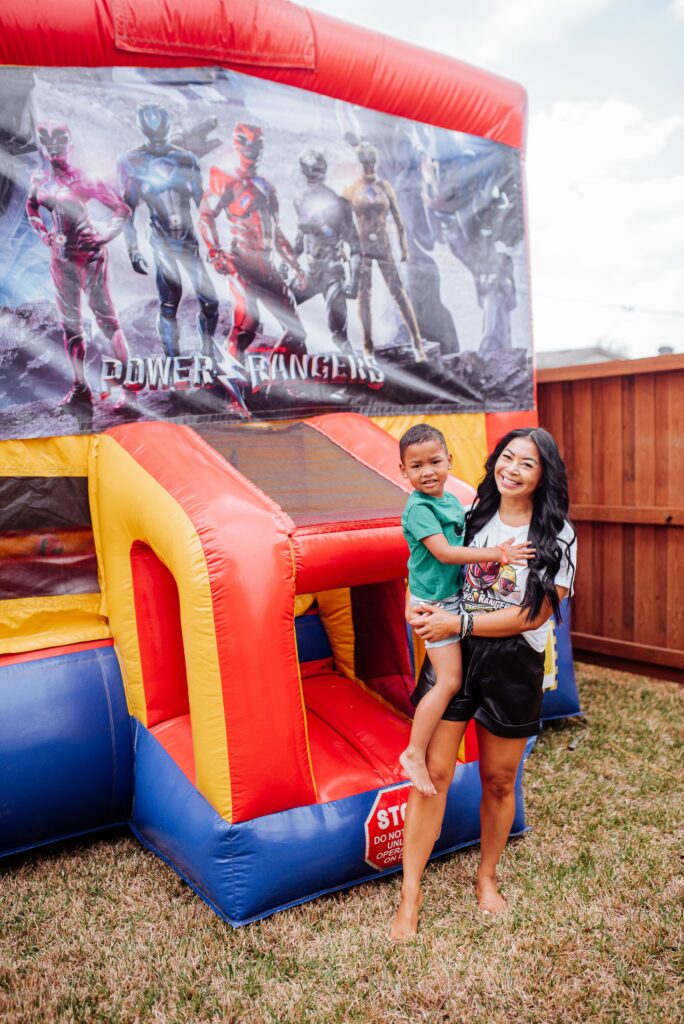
{"points": [[385, 828]]}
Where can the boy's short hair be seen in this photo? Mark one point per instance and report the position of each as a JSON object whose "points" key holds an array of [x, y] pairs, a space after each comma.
{"points": [[419, 433]]}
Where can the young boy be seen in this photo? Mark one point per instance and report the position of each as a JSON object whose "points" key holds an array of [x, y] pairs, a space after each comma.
{"points": [[433, 523]]}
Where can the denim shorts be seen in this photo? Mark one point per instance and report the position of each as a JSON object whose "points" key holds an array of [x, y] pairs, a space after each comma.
{"points": [[449, 604]]}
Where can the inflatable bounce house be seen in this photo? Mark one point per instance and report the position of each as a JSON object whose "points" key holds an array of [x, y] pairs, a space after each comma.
{"points": [[202, 570]]}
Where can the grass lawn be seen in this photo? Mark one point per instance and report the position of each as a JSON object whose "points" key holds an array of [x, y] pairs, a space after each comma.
{"points": [[104, 931]]}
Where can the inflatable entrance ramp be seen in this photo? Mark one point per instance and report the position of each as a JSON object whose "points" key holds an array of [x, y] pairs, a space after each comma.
{"points": [[254, 582]]}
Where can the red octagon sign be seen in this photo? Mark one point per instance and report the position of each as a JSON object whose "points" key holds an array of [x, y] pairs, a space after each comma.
{"points": [[385, 827]]}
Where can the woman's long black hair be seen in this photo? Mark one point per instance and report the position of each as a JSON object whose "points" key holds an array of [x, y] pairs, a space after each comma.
{"points": [[549, 515]]}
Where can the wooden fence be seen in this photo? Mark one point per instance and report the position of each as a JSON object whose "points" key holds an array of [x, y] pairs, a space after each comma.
{"points": [[620, 428]]}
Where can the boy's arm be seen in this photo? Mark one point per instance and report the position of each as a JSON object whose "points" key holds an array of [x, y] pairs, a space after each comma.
{"points": [[450, 554]]}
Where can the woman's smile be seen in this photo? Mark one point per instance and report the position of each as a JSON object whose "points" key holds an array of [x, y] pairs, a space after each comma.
{"points": [[518, 469]]}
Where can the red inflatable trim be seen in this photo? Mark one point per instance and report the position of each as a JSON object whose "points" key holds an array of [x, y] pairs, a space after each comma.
{"points": [[348, 62], [175, 736], [218, 33], [499, 423], [348, 555], [374, 447], [52, 652], [162, 658]]}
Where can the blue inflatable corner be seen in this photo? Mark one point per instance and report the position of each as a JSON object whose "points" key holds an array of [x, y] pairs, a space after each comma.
{"points": [[251, 869], [66, 756]]}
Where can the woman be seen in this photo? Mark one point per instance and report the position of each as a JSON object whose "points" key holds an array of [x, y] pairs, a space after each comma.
{"points": [[523, 495]]}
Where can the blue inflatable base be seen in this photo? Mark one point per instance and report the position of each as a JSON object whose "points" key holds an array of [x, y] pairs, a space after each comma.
{"points": [[251, 869], [17, 851], [563, 701], [66, 754]]}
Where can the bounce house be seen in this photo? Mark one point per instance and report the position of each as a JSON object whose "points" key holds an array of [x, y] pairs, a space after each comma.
{"points": [[202, 627]]}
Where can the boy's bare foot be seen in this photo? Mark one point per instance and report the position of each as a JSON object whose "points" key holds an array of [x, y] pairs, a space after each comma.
{"points": [[490, 900], [416, 770], [405, 923]]}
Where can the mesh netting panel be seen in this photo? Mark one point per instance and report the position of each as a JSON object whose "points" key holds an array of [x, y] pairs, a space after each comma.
{"points": [[311, 479]]}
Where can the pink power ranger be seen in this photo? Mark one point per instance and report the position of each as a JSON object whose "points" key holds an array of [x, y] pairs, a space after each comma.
{"points": [[78, 257]]}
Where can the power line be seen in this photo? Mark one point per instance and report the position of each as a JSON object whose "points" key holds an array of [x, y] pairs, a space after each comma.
{"points": [[624, 307]]}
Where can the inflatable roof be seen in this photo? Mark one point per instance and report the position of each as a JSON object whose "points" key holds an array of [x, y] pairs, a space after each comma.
{"points": [[271, 39]]}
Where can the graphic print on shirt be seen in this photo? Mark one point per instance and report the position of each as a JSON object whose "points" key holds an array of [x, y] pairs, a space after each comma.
{"points": [[550, 659], [489, 586]]}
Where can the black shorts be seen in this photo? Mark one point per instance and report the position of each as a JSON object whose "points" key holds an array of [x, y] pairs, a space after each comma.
{"points": [[502, 686]]}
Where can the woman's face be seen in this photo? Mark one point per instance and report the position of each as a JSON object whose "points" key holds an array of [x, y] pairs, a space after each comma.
{"points": [[518, 469]]}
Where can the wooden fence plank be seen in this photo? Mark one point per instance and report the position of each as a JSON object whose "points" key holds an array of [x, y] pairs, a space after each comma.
{"points": [[582, 487], [582, 610], [645, 515], [673, 441], [644, 439], [631, 651], [612, 617], [674, 588], [614, 368], [628, 584], [607, 440], [663, 403]]}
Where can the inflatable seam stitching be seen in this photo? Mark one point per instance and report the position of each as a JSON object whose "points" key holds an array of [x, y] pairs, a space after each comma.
{"points": [[357, 457], [110, 713]]}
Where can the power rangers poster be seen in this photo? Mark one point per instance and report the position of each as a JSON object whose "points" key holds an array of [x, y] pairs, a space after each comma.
{"points": [[199, 243]]}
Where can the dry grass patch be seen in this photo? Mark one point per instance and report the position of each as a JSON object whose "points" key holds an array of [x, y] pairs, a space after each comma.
{"points": [[104, 932]]}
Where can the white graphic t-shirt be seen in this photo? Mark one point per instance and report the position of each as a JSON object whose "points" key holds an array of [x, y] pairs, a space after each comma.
{"points": [[488, 587]]}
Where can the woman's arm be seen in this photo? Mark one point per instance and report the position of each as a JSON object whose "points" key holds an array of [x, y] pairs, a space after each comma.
{"points": [[435, 624], [451, 554]]}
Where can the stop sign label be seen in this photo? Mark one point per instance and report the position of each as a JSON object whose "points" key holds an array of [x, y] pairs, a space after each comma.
{"points": [[385, 827]]}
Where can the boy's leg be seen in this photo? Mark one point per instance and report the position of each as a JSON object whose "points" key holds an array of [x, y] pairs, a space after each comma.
{"points": [[447, 664]]}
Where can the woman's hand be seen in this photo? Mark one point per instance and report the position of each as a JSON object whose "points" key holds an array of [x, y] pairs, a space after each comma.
{"points": [[432, 623]]}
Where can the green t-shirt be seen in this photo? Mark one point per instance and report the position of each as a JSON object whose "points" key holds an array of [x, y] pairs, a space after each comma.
{"points": [[425, 516]]}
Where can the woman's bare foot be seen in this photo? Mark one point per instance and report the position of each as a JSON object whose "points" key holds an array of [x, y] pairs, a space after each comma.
{"points": [[416, 770], [489, 898], [405, 923]]}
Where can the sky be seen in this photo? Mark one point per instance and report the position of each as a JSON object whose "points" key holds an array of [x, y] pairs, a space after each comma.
{"points": [[605, 151]]}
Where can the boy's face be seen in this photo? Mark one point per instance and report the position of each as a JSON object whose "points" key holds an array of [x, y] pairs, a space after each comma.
{"points": [[426, 466]]}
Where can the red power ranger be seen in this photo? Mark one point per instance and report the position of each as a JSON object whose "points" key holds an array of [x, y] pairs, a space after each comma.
{"points": [[78, 257], [250, 204]]}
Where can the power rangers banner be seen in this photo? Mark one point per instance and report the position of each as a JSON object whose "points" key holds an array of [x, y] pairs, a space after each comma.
{"points": [[183, 244]]}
